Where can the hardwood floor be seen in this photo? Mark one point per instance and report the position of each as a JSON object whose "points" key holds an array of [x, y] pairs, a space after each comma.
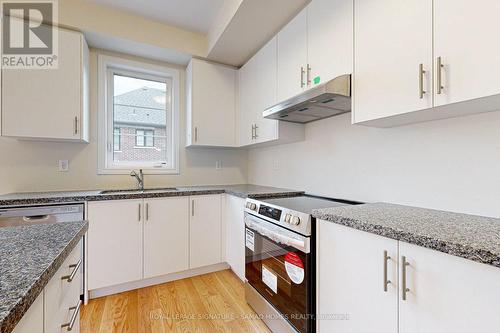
{"points": [[207, 303]]}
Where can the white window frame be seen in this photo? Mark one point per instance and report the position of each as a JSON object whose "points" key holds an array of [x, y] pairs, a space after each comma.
{"points": [[107, 66]]}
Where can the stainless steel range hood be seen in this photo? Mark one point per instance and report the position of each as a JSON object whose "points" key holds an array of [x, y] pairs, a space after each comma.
{"points": [[327, 100]]}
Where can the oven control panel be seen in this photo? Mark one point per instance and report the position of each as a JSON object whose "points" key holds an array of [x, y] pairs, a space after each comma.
{"points": [[271, 212], [292, 220]]}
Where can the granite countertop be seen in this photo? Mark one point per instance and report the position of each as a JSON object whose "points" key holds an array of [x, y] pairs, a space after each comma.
{"points": [[241, 190], [30, 256], [468, 236]]}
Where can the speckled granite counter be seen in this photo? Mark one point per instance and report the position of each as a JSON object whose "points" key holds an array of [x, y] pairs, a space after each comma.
{"points": [[472, 237], [30, 256], [242, 190]]}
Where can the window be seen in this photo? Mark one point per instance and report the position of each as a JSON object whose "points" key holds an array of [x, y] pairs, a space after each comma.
{"points": [[139, 110], [116, 139], [144, 138]]}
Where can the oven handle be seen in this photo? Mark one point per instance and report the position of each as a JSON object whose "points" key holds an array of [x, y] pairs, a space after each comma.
{"points": [[278, 234]]}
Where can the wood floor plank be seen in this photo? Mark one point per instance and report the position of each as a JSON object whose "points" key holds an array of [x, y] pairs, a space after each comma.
{"points": [[208, 303]]}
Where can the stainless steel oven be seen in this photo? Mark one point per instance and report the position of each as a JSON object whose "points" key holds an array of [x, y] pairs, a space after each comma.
{"points": [[280, 263], [279, 267]]}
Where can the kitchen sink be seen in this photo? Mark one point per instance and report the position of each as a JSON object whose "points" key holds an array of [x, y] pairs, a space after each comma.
{"points": [[138, 191]]}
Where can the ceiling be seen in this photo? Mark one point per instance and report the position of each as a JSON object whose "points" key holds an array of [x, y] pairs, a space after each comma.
{"points": [[194, 15]]}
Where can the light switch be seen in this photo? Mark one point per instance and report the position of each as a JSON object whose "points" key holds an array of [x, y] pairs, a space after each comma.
{"points": [[63, 165]]}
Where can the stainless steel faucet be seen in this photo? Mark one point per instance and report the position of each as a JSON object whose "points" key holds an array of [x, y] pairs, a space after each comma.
{"points": [[139, 177]]}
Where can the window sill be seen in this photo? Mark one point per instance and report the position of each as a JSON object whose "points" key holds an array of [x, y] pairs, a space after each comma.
{"points": [[146, 171]]}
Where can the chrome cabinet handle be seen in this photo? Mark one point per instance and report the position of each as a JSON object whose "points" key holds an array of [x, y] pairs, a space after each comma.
{"points": [[308, 75], [147, 211], [76, 125], [139, 213], [256, 135], [440, 67], [253, 132], [421, 73], [76, 310], [302, 73], [71, 276], [404, 288], [192, 207], [386, 281], [196, 134]]}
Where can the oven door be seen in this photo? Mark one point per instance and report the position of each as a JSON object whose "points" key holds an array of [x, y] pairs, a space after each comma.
{"points": [[279, 266]]}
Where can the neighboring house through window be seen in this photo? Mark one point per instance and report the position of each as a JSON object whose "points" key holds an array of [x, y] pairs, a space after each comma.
{"points": [[140, 109]]}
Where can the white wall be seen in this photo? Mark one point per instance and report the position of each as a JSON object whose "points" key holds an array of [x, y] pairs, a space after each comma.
{"points": [[451, 164], [33, 166]]}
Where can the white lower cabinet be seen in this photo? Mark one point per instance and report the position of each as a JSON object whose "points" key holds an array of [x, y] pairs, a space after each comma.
{"points": [[205, 223], [57, 308], [132, 240], [448, 294], [166, 236], [350, 281], [433, 293], [235, 234], [114, 242]]}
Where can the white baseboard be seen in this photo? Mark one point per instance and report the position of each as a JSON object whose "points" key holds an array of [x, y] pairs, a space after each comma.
{"points": [[156, 280]]}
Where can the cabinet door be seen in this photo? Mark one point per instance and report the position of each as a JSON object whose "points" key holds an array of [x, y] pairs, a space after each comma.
{"points": [[248, 98], [351, 281], [46, 104], [32, 321], [213, 103], [448, 294], [462, 37], [391, 39], [329, 39], [267, 88], [166, 236], [235, 235], [205, 231], [114, 242], [292, 57]]}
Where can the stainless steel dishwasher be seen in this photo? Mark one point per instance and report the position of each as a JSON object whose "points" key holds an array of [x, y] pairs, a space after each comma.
{"points": [[32, 215], [16, 216]]}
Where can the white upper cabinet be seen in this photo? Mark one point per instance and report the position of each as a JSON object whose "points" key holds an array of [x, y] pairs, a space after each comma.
{"points": [[470, 58], [392, 39], [329, 39], [447, 293], [211, 104], [49, 104], [248, 98], [166, 236], [257, 92], [418, 61], [292, 57]]}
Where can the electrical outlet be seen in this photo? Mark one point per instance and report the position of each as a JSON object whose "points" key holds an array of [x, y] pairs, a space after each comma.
{"points": [[63, 165], [218, 165], [276, 165]]}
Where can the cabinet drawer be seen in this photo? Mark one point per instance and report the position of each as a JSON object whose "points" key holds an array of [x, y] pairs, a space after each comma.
{"points": [[62, 294]]}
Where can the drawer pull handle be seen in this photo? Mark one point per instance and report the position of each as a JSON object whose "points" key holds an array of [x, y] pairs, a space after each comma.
{"points": [[76, 310], [386, 280], [404, 289], [75, 267]]}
